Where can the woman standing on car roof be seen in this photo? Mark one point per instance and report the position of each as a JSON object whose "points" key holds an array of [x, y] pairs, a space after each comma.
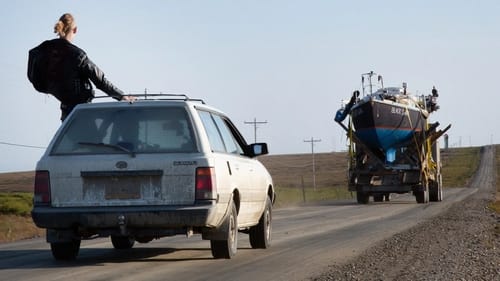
{"points": [[70, 70]]}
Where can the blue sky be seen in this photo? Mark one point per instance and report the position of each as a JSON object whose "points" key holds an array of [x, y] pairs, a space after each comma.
{"points": [[289, 63]]}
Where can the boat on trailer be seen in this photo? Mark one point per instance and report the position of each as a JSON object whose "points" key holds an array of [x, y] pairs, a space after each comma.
{"points": [[392, 146], [387, 118]]}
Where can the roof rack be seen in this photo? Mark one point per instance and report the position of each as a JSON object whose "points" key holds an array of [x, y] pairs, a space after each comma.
{"points": [[160, 96]]}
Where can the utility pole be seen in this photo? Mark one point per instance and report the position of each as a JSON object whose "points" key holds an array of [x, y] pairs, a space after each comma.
{"points": [[254, 123], [312, 141]]}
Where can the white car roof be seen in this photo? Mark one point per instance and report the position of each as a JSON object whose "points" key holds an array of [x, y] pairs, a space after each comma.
{"points": [[196, 103]]}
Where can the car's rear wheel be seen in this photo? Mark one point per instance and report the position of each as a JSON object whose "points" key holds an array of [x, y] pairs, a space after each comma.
{"points": [[260, 235], [65, 250], [225, 249], [122, 242]]}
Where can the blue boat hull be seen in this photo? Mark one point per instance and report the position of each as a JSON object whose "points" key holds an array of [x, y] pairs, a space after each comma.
{"points": [[386, 125], [384, 138]]}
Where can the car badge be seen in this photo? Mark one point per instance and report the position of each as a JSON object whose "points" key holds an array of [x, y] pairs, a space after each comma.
{"points": [[121, 165]]}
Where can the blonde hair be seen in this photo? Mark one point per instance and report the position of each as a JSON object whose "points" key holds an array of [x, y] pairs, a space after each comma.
{"points": [[64, 25]]}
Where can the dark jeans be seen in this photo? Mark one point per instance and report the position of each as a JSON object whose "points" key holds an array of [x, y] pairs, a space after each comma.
{"points": [[66, 110]]}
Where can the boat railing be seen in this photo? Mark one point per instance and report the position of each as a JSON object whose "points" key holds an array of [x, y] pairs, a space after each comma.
{"points": [[368, 76]]}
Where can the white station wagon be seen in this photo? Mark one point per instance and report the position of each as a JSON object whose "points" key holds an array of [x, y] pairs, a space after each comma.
{"points": [[149, 169]]}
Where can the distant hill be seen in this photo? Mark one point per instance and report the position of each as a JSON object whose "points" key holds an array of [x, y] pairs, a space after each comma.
{"points": [[18, 181], [291, 169]]}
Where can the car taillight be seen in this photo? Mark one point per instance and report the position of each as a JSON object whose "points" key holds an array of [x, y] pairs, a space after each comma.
{"points": [[205, 183], [42, 188]]}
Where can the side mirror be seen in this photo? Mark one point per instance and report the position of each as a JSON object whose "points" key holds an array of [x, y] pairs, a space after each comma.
{"points": [[258, 149]]}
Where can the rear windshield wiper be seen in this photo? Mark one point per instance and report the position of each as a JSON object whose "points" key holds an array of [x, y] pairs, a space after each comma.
{"points": [[115, 146]]}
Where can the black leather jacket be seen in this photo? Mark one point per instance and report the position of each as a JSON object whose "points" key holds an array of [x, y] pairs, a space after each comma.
{"points": [[70, 74]]}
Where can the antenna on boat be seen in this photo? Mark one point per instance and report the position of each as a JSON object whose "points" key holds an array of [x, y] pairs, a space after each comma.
{"points": [[380, 80], [369, 75]]}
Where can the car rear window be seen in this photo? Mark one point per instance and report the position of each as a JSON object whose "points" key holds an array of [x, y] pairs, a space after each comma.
{"points": [[127, 130]]}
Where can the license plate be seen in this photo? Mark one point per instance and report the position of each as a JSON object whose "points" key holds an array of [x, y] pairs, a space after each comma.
{"points": [[122, 192]]}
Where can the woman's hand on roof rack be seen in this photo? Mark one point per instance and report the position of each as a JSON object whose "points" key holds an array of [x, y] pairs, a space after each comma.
{"points": [[129, 98]]}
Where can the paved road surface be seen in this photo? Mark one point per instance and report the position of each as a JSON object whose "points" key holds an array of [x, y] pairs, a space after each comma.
{"points": [[305, 241]]}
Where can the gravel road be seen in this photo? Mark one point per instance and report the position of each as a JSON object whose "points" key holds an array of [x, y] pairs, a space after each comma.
{"points": [[463, 243]]}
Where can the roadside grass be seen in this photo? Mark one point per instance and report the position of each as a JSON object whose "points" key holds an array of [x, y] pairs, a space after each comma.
{"points": [[459, 165], [15, 227], [16, 203], [496, 204], [294, 182], [15, 219]]}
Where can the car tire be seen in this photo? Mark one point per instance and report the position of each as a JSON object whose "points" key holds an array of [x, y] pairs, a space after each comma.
{"points": [[122, 242], [226, 249], [260, 235], [65, 250]]}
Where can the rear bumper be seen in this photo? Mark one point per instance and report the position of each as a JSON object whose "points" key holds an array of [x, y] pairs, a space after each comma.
{"points": [[130, 216]]}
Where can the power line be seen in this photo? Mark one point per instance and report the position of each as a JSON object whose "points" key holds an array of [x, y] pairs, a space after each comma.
{"points": [[254, 123], [312, 141], [22, 145]]}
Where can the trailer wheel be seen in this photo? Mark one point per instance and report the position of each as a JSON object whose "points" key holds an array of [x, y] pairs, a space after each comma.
{"points": [[362, 197], [387, 197], [440, 189], [433, 192], [422, 196], [378, 197], [436, 190]]}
